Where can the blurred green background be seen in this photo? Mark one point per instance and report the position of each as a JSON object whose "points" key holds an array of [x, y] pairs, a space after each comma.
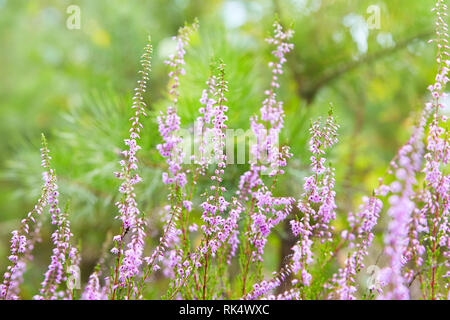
{"points": [[76, 85]]}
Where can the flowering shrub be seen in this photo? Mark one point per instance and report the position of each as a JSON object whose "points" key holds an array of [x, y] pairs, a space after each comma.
{"points": [[235, 224]]}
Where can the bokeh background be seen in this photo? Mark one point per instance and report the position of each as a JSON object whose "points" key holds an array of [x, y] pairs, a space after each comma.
{"points": [[76, 85]]}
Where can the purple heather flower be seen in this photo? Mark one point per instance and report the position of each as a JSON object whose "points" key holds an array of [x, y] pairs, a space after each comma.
{"points": [[93, 290], [436, 194], [260, 289], [23, 240], [360, 239], [266, 157], [292, 294], [403, 241], [169, 122], [129, 214], [319, 191], [171, 149], [64, 255]]}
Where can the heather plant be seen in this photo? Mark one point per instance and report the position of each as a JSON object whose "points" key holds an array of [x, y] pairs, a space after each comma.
{"points": [[213, 239]]}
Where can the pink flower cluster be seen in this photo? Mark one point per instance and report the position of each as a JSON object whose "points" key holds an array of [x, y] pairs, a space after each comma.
{"points": [[360, 238], [129, 260], [267, 158], [22, 241], [318, 192], [64, 255], [169, 122]]}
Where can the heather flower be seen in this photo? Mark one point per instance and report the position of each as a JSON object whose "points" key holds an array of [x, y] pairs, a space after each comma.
{"points": [[403, 240], [222, 235], [130, 259], [437, 194], [204, 132], [93, 289], [319, 192], [169, 122], [319, 188], [169, 240], [402, 236], [264, 287], [270, 211], [397, 241], [168, 252], [360, 235], [266, 211], [193, 227], [231, 230], [292, 294], [360, 238], [216, 229], [171, 149], [267, 129], [22, 241], [64, 255]]}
